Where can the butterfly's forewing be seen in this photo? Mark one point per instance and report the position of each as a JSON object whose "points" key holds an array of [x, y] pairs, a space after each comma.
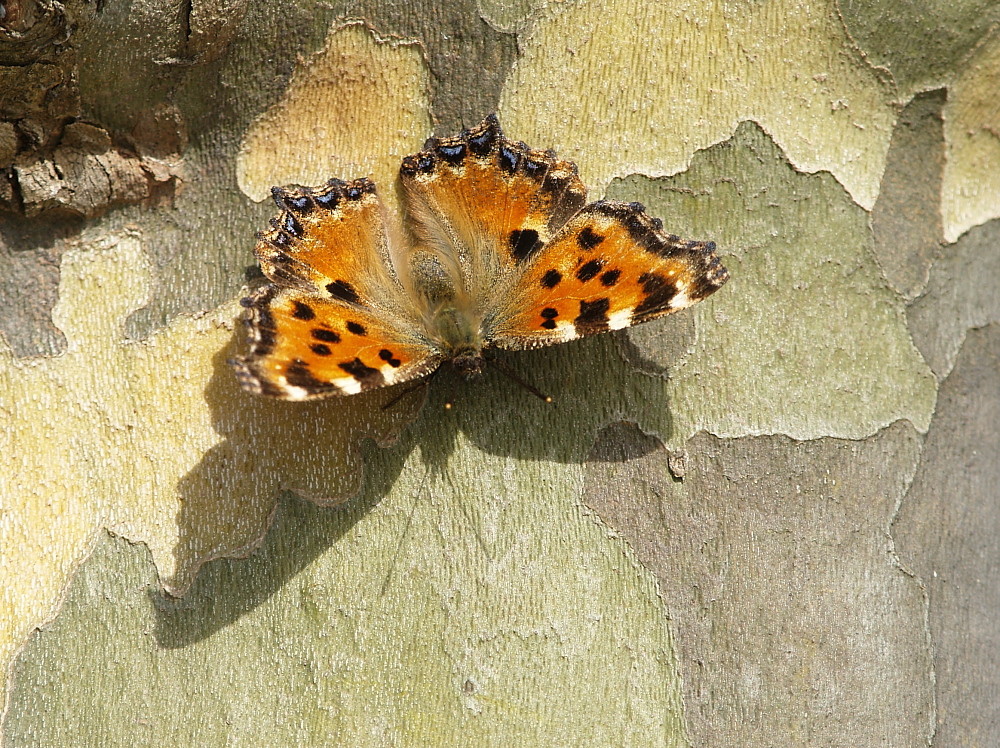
{"points": [[609, 267], [303, 346], [487, 204], [331, 241]]}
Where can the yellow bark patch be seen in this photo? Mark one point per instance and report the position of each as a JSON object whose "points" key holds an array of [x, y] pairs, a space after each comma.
{"points": [[971, 191], [654, 82], [353, 109], [153, 440]]}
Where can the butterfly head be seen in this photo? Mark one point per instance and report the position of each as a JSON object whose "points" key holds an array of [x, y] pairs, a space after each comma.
{"points": [[468, 363]]}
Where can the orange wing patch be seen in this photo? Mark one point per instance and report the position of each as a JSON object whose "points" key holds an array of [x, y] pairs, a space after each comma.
{"points": [[303, 346], [331, 241], [610, 267], [495, 197]]}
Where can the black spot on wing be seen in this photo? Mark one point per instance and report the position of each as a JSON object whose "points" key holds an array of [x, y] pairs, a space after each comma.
{"points": [[549, 315], [329, 198], [320, 349], [291, 225], [341, 289], [508, 159], [453, 154], [535, 168], [299, 202], [303, 311], [358, 188], [551, 278], [610, 278], [523, 243], [328, 336], [418, 163], [593, 316], [484, 137], [356, 328], [366, 375], [659, 292], [588, 238], [386, 355], [589, 270]]}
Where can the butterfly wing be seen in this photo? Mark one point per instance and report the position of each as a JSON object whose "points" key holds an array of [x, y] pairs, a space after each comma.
{"points": [[486, 204], [335, 320], [304, 346], [609, 267], [331, 241]]}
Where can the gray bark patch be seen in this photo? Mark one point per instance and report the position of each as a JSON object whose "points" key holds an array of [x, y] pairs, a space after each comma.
{"points": [[948, 533], [793, 624]]}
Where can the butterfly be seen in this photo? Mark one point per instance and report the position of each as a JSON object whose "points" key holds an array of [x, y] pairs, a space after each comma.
{"points": [[500, 249]]}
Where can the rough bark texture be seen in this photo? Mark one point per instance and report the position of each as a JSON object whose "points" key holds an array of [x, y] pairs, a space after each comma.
{"points": [[770, 521]]}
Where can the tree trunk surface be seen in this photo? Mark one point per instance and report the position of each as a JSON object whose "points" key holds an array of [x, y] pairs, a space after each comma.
{"points": [[769, 520]]}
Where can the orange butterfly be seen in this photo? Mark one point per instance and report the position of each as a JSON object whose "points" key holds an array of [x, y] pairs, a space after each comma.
{"points": [[503, 252]]}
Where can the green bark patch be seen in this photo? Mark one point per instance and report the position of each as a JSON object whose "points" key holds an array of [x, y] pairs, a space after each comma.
{"points": [[806, 339], [906, 220], [30, 252], [468, 58], [423, 612], [921, 43]]}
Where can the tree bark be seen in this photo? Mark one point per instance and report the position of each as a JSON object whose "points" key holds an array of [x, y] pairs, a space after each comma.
{"points": [[770, 520]]}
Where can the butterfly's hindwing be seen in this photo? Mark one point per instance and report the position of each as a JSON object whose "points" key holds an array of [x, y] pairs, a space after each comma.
{"points": [[304, 346]]}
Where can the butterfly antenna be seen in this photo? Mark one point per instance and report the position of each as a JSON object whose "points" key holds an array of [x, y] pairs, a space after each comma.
{"points": [[515, 377]]}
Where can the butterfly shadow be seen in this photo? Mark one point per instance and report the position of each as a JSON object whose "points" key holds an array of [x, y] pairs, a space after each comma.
{"points": [[237, 545], [269, 498], [591, 385]]}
